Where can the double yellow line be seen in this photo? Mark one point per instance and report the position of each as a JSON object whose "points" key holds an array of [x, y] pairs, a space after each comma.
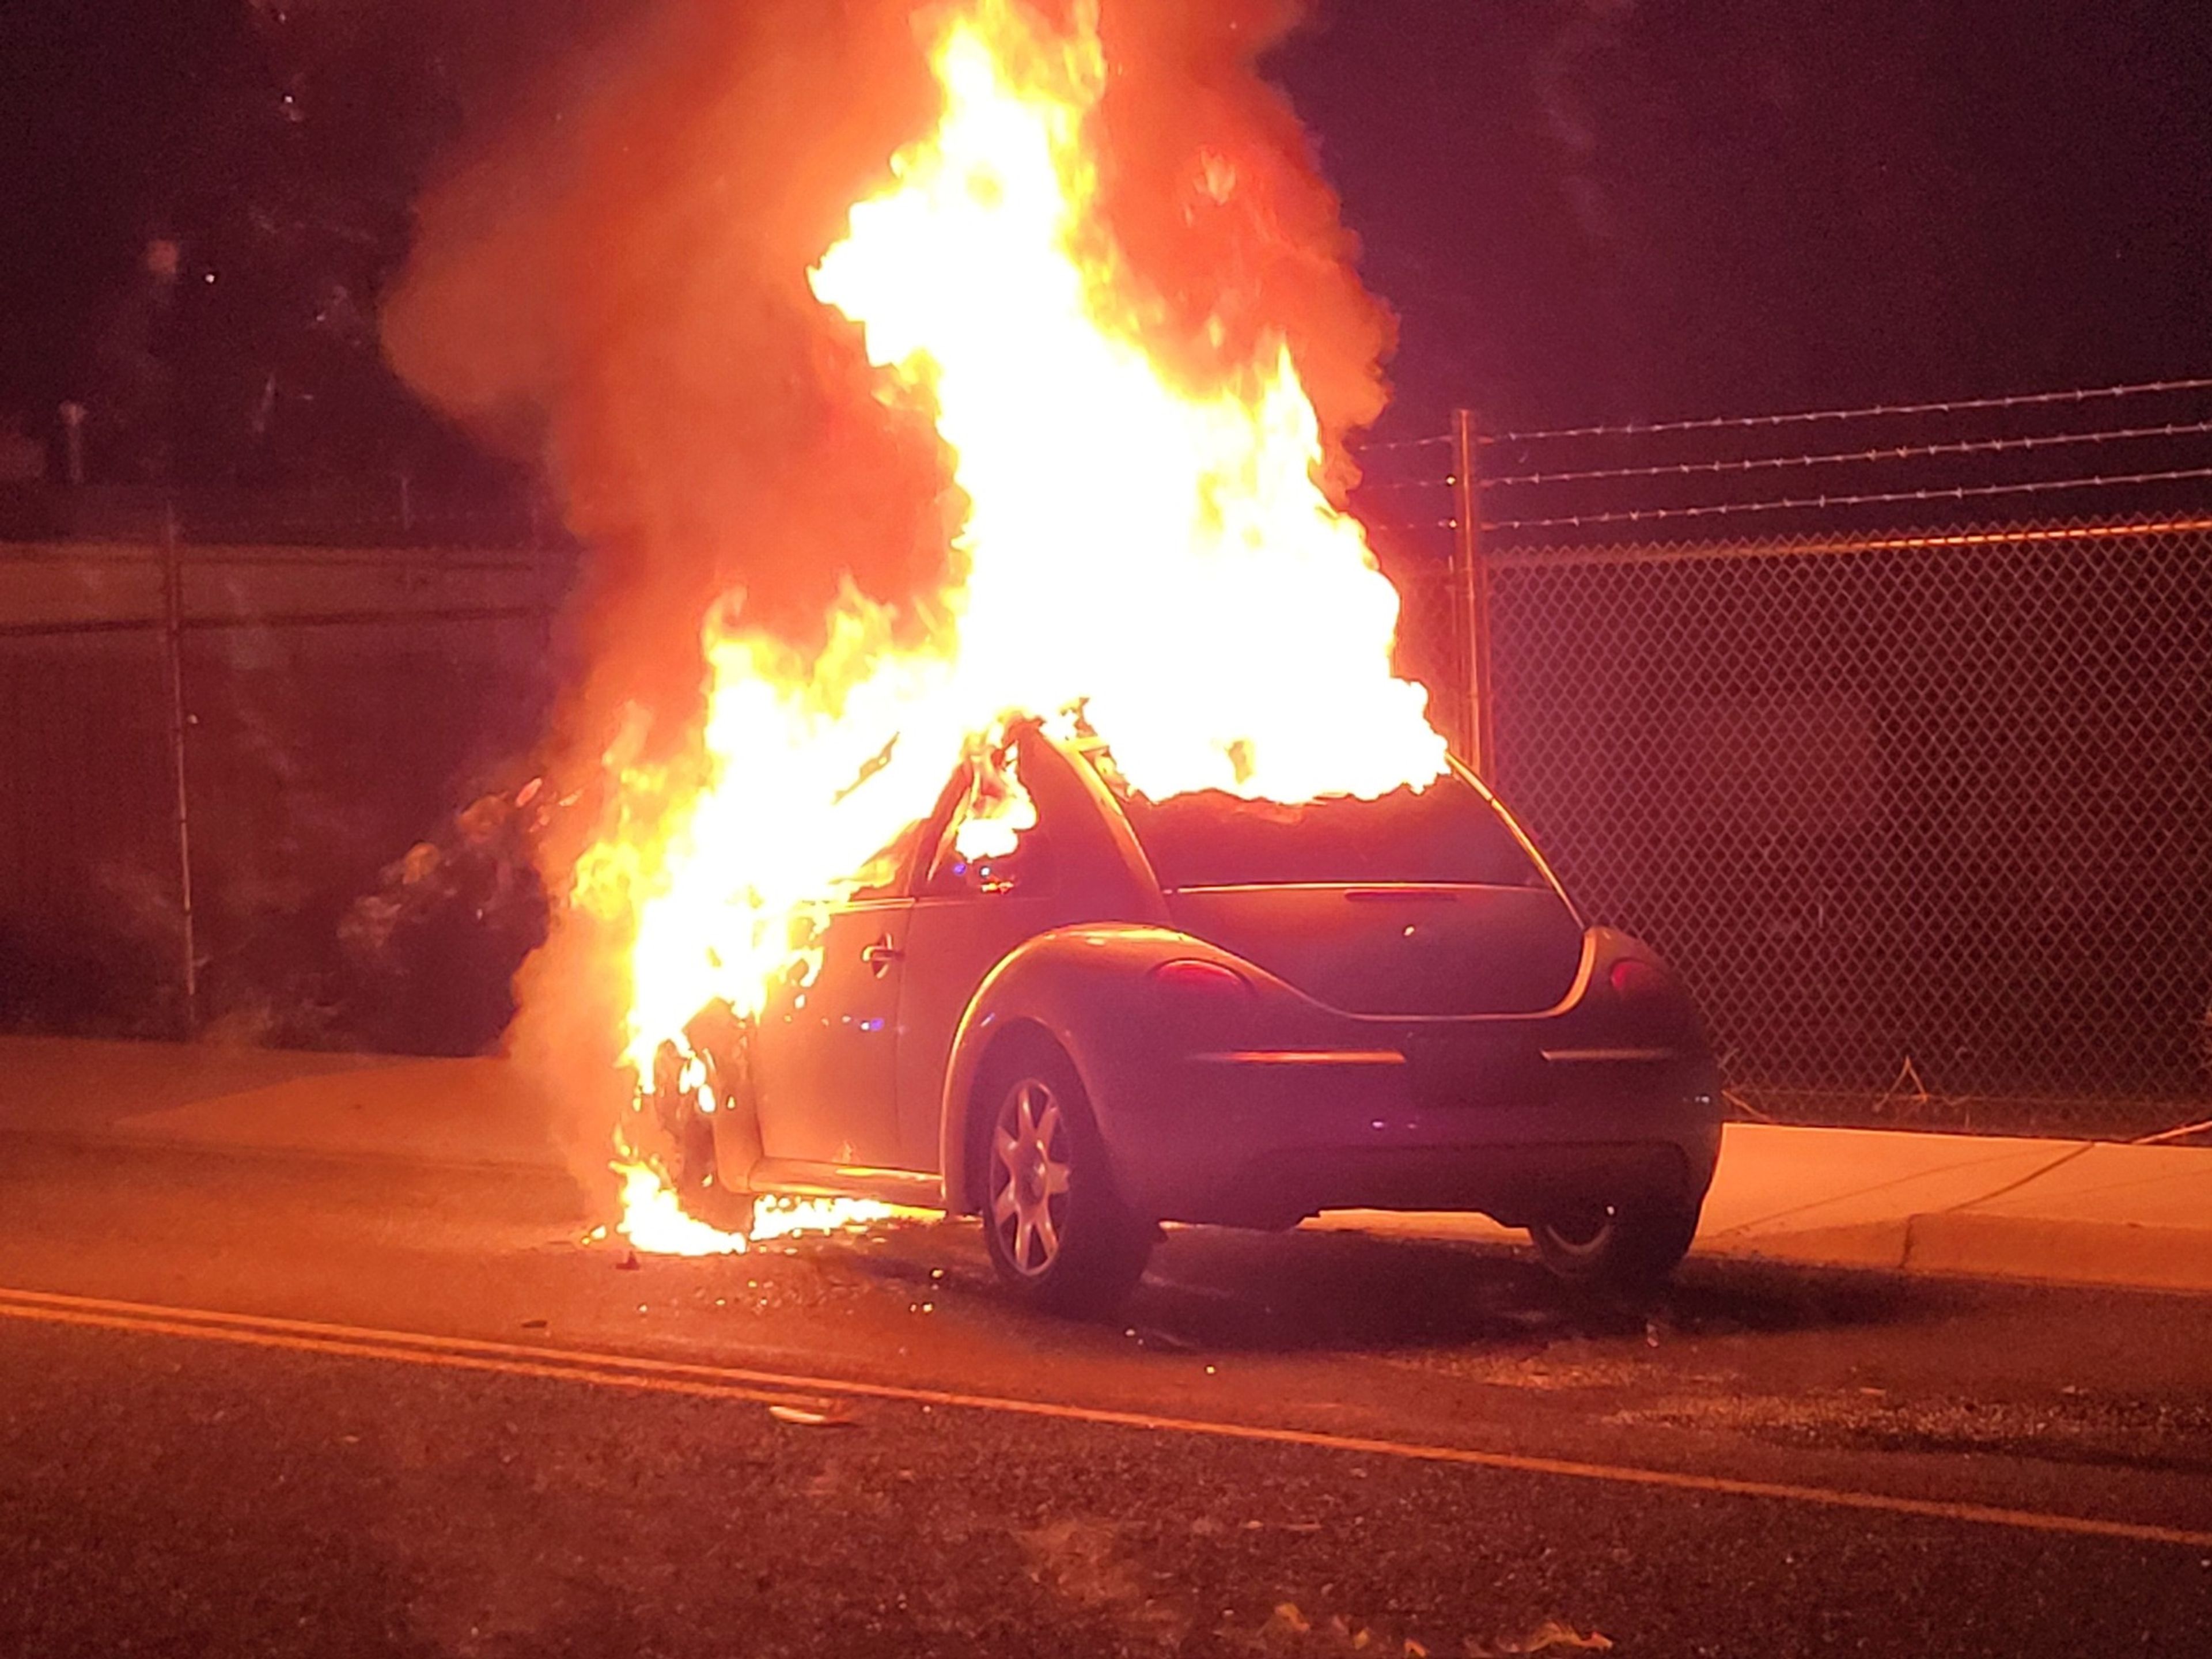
{"points": [[615, 1370]]}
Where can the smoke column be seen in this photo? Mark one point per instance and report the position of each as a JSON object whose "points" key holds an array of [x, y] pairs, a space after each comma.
{"points": [[616, 286]]}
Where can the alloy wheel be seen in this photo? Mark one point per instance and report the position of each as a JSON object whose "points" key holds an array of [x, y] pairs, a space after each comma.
{"points": [[1029, 1167]]}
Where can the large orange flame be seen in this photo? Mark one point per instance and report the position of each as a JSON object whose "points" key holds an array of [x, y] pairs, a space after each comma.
{"points": [[1160, 556]]}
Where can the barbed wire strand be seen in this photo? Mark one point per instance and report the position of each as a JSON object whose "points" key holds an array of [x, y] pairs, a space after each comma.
{"points": [[2019, 400], [1960, 493], [1380, 486], [1432, 442], [1806, 543], [1887, 452]]}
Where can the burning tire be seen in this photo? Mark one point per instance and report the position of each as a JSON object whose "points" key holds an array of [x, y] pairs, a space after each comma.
{"points": [[1057, 1234], [1617, 1247], [687, 1151]]}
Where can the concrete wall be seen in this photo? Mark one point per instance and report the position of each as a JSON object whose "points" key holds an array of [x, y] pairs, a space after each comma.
{"points": [[341, 705]]}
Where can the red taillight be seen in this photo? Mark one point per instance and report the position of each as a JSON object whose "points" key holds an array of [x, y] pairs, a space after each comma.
{"points": [[1636, 980], [1192, 974]]}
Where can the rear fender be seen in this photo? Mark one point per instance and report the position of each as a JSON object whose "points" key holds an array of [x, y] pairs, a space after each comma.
{"points": [[1087, 989]]}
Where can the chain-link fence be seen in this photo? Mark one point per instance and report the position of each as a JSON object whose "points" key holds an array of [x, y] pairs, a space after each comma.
{"points": [[1923, 816], [1915, 815]]}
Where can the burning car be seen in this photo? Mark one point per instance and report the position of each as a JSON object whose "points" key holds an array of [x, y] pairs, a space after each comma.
{"points": [[1079, 1013], [1277, 954]]}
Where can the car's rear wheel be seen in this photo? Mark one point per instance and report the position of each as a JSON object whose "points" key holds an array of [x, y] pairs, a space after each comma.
{"points": [[1059, 1235], [1615, 1245]]}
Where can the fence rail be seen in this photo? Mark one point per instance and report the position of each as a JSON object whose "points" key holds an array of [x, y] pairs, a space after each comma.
{"points": [[392, 514]]}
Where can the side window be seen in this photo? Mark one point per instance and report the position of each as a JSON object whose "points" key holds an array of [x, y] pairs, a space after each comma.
{"points": [[884, 875], [993, 843]]}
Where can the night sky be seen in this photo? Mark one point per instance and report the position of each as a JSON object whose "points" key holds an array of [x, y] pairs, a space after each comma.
{"points": [[1580, 208], [1604, 208]]}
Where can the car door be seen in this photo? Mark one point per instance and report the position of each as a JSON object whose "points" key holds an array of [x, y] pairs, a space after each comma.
{"points": [[825, 1053]]}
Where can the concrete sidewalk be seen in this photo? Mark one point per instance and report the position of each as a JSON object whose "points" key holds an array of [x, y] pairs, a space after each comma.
{"points": [[2064, 1210], [437, 1111], [2078, 1212]]}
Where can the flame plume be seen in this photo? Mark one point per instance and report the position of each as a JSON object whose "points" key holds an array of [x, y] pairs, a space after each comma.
{"points": [[1156, 552]]}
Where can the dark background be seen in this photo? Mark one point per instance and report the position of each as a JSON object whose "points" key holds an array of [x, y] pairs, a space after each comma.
{"points": [[1607, 209], [1581, 209]]}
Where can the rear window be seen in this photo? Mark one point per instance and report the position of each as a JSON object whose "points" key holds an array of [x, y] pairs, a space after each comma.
{"points": [[1445, 833]]}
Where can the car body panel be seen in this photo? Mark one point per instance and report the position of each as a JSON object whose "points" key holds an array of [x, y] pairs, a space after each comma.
{"points": [[1398, 948], [824, 1052], [1088, 872], [1285, 1107], [961, 941]]}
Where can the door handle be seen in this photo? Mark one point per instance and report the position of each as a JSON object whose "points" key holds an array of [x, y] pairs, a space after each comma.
{"points": [[880, 956]]}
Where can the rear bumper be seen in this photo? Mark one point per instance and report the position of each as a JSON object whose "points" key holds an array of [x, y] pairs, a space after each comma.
{"points": [[1264, 1144], [1515, 1183]]}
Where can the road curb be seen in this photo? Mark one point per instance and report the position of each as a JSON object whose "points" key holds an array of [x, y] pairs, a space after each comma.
{"points": [[2038, 1248], [1962, 1245]]}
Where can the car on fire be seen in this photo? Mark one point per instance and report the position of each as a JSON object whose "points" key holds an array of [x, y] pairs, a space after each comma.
{"points": [[1218, 1010]]}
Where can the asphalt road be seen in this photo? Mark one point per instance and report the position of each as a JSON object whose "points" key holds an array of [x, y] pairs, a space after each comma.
{"points": [[257, 1405]]}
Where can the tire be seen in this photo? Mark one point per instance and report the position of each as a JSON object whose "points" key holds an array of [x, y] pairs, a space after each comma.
{"points": [[686, 1154], [1059, 1236], [1616, 1247]]}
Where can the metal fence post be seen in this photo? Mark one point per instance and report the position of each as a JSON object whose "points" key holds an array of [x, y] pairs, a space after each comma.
{"points": [[1472, 578], [173, 653]]}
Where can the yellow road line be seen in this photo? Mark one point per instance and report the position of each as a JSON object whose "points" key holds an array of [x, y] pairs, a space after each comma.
{"points": [[731, 1383]]}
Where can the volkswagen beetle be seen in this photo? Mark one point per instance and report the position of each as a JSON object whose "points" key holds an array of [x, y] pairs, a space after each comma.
{"points": [[1218, 1011]]}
